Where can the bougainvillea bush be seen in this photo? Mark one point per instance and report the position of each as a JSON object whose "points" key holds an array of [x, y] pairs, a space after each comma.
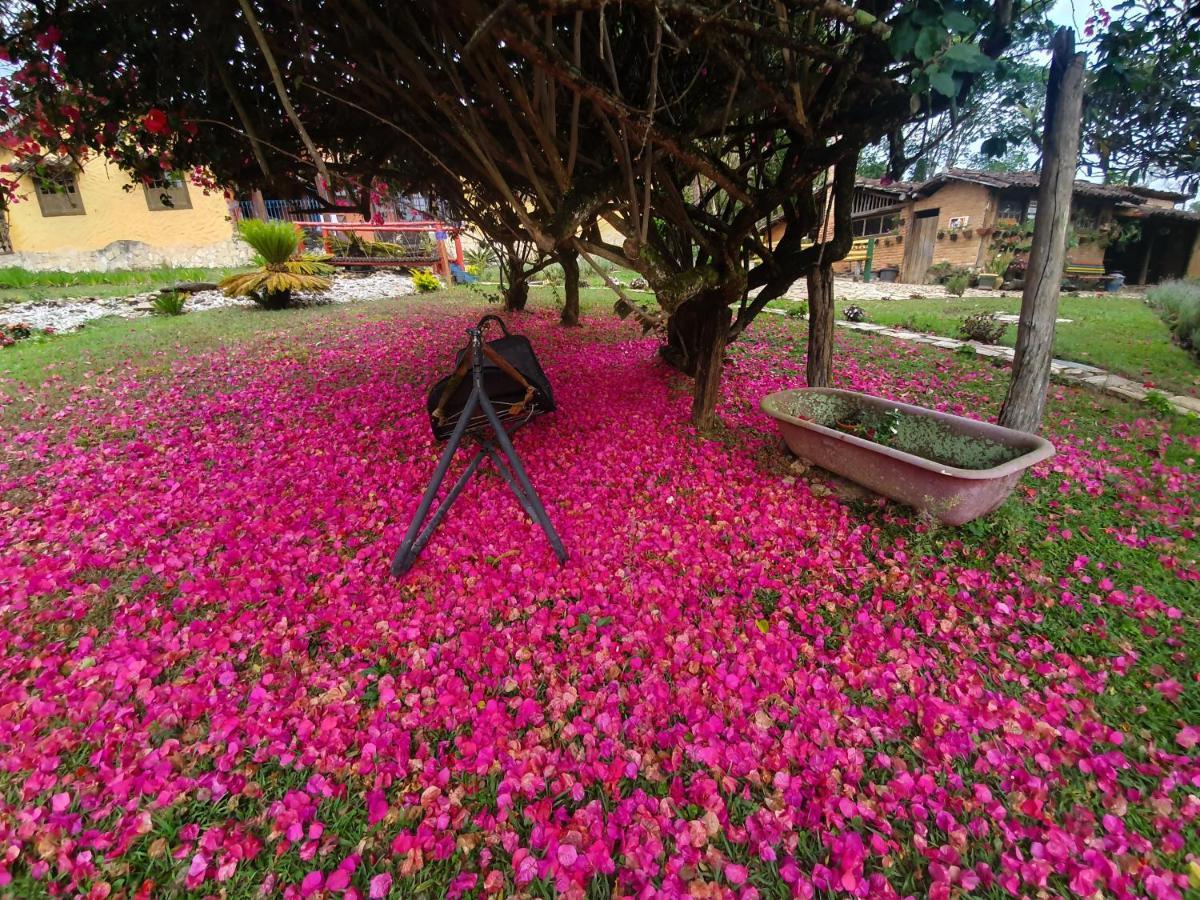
{"points": [[746, 681]]}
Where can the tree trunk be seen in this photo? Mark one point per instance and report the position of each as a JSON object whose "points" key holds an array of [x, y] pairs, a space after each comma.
{"points": [[1026, 401], [684, 339], [516, 292], [820, 326], [569, 260], [696, 338], [713, 336]]}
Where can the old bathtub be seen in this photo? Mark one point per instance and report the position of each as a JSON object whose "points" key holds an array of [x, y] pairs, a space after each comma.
{"points": [[955, 468]]}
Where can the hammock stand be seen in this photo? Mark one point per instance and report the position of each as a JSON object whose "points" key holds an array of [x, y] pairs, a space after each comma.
{"points": [[479, 418]]}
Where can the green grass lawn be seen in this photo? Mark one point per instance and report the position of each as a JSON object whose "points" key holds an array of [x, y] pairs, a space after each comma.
{"points": [[1119, 334], [20, 285]]}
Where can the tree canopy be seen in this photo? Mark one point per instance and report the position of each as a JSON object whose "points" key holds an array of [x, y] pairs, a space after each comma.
{"points": [[1141, 119], [684, 128]]}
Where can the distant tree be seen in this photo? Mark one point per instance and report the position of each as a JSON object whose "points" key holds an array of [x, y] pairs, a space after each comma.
{"points": [[872, 163], [1142, 119], [1141, 114]]}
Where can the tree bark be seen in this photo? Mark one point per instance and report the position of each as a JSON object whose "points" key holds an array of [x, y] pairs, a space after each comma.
{"points": [[569, 260], [713, 335], [697, 335], [1025, 403], [684, 339], [516, 292], [820, 326]]}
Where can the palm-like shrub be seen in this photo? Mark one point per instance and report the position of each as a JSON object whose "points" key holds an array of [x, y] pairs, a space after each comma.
{"points": [[283, 269]]}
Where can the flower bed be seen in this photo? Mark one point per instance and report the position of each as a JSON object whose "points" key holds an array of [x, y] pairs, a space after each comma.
{"points": [[739, 684]]}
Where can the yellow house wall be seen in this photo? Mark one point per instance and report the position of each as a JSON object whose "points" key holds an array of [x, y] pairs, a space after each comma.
{"points": [[113, 213]]}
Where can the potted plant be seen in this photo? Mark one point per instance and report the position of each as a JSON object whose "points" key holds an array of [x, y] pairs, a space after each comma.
{"points": [[953, 467], [887, 273], [941, 235], [997, 268]]}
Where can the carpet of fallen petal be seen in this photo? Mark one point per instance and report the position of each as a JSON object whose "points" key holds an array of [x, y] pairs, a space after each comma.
{"points": [[743, 683]]}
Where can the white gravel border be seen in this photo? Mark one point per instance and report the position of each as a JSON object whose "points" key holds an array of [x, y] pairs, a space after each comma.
{"points": [[69, 313]]}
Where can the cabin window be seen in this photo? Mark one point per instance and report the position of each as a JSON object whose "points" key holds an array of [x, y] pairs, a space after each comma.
{"points": [[58, 195], [1085, 215], [167, 192], [1012, 208], [873, 225]]}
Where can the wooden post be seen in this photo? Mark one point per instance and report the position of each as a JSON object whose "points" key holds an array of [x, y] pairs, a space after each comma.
{"points": [[258, 205], [1026, 401], [1144, 270], [445, 263], [458, 251], [869, 261]]}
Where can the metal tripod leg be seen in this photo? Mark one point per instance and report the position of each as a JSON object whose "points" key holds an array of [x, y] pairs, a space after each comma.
{"points": [[407, 554], [539, 511], [503, 469]]}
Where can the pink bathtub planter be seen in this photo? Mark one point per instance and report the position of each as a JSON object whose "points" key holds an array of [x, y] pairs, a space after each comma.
{"points": [[955, 468]]}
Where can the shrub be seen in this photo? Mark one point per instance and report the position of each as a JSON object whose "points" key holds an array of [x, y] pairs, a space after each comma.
{"points": [[854, 313], [1158, 402], [798, 309], [282, 268], [479, 257], [1178, 302], [639, 284], [999, 264], [957, 284], [425, 281], [983, 327], [170, 303], [19, 331]]}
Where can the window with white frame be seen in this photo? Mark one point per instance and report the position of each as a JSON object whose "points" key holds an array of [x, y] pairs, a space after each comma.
{"points": [[166, 193]]}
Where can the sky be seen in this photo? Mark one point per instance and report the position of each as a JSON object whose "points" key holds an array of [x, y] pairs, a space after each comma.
{"points": [[1071, 12]]}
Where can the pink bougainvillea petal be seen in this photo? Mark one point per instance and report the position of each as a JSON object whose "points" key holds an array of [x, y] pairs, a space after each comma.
{"points": [[741, 674]]}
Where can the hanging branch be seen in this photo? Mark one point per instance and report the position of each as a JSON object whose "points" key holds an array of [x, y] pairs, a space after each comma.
{"points": [[281, 90]]}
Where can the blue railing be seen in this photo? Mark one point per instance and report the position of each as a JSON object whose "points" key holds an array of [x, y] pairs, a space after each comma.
{"points": [[414, 207]]}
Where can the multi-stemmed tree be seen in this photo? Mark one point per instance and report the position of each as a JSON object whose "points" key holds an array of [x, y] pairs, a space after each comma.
{"points": [[662, 135]]}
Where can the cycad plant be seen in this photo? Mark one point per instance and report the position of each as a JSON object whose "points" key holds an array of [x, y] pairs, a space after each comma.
{"points": [[282, 268]]}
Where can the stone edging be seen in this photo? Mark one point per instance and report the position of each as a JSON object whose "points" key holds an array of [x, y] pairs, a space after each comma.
{"points": [[1061, 369]]}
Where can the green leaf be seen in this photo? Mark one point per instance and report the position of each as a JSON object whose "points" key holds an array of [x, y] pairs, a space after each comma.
{"points": [[763, 625], [958, 21], [903, 39], [943, 83], [967, 57], [928, 42]]}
